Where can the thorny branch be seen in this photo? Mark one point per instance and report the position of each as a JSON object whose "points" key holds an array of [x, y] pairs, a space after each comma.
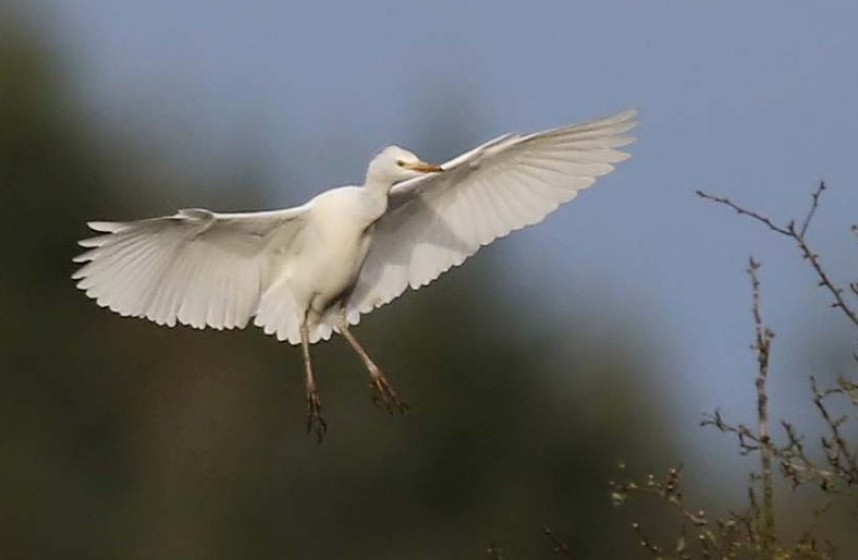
{"points": [[743, 212], [798, 235], [814, 205], [841, 469], [840, 457], [763, 346]]}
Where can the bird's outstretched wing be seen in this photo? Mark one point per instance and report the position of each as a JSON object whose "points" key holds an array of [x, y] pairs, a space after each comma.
{"points": [[436, 221], [199, 268]]}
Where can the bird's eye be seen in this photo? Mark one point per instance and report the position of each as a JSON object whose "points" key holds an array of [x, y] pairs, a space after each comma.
{"points": [[400, 163]]}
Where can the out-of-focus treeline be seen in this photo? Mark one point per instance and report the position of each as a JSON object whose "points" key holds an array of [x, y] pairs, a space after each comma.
{"points": [[121, 439]]}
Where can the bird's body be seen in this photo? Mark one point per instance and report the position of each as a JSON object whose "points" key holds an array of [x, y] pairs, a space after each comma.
{"points": [[339, 237], [303, 273], [324, 265]]}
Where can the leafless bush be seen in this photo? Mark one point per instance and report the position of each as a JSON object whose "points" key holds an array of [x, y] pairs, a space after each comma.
{"points": [[750, 533]]}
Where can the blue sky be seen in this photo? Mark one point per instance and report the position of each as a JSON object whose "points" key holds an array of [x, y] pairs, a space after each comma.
{"points": [[756, 101]]}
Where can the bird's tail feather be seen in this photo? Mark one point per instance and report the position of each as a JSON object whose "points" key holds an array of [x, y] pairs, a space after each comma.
{"points": [[279, 314]]}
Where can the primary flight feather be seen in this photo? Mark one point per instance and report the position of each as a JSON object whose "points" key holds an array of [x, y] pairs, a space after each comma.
{"points": [[303, 273]]}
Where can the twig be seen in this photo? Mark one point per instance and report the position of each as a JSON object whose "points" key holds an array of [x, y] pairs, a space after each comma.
{"points": [[748, 440], [798, 235], [646, 543], [824, 280], [743, 212], [835, 447], [559, 546], [815, 196]]}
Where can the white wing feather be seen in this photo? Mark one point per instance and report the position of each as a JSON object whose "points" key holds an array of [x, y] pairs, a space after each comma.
{"points": [[436, 221], [198, 268]]}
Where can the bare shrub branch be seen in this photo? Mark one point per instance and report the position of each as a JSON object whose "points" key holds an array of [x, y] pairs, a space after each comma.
{"points": [[763, 345], [798, 235]]}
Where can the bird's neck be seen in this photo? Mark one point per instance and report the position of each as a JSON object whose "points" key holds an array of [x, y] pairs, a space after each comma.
{"points": [[377, 183], [374, 200]]}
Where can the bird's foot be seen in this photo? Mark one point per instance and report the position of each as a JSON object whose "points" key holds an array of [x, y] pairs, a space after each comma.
{"points": [[315, 419], [384, 396]]}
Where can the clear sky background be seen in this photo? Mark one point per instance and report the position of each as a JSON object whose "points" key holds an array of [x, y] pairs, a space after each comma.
{"points": [[756, 101]]}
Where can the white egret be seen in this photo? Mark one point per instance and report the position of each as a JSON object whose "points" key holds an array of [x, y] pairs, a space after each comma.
{"points": [[303, 273]]}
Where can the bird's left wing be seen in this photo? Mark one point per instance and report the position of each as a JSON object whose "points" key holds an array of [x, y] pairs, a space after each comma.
{"points": [[197, 267], [436, 221]]}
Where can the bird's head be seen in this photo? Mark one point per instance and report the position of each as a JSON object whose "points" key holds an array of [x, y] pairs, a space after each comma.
{"points": [[395, 164]]}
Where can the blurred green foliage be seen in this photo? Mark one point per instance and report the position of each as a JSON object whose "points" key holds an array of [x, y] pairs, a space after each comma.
{"points": [[121, 439]]}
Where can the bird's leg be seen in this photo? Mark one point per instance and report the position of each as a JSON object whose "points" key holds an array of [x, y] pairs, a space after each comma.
{"points": [[315, 420], [382, 393]]}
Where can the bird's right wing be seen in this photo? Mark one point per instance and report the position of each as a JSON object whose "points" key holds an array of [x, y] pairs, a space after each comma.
{"points": [[436, 221], [197, 267]]}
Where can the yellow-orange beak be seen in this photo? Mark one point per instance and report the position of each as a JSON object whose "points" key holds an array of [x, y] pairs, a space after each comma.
{"points": [[423, 167]]}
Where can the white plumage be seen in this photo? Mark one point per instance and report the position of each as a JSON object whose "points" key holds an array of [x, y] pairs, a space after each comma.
{"points": [[303, 273]]}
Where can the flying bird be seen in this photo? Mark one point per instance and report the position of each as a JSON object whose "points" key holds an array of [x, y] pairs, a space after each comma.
{"points": [[304, 273]]}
